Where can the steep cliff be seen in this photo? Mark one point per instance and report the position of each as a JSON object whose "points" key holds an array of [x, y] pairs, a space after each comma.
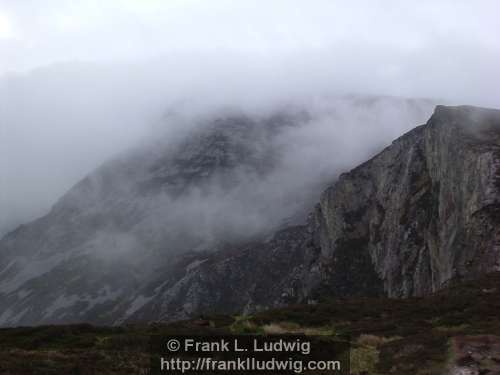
{"points": [[426, 208], [421, 213]]}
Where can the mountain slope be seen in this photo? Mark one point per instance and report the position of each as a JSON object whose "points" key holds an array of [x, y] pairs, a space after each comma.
{"points": [[419, 214], [182, 228], [87, 258]]}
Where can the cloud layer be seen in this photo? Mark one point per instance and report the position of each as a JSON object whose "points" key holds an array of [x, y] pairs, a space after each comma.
{"points": [[82, 80]]}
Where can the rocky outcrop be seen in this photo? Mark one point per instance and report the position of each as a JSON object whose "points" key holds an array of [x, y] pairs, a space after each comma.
{"points": [[425, 209]]}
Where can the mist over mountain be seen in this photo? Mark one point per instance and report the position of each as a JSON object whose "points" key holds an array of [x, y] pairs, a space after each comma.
{"points": [[162, 159], [322, 168], [211, 182], [52, 117], [91, 88]]}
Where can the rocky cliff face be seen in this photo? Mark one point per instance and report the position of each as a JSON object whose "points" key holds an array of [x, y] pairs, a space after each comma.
{"points": [[424, 209], [419, 214]]}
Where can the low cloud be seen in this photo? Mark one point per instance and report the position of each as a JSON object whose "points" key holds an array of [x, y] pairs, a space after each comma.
{"points": [[104, 77]]}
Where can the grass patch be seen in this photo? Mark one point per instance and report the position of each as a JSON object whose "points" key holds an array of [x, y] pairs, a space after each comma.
{"points": [[364, 360]]}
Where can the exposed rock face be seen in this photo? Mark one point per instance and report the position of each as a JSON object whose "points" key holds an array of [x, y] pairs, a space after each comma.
{"points": [[424, 210], [384, 210], [420, 213]]}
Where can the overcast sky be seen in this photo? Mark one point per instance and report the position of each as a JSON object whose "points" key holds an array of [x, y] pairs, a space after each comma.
{"points": [[80, 76], [427, 48], [459, 36]]}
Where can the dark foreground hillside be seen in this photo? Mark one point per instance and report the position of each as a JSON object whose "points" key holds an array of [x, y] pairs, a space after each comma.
{"points": [[456, 331]]}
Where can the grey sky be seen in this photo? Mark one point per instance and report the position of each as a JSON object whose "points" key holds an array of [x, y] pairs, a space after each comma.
{"points": [[402, 47]]}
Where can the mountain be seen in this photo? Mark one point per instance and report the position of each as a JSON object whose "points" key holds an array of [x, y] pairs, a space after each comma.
{"points": [[417, 216], [192, 226], [125, 223]]}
